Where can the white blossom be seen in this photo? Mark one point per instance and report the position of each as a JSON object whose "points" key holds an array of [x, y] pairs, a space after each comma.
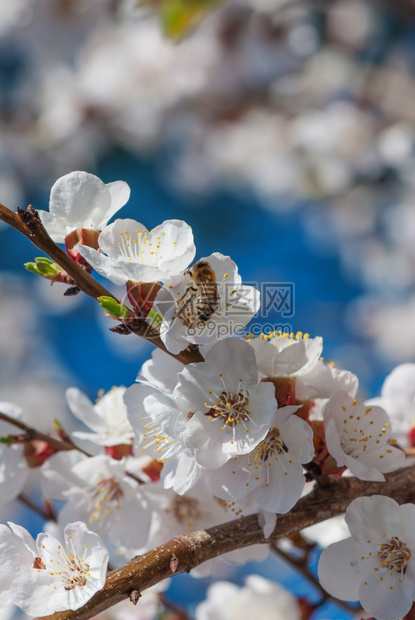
{"points": [[157, 424], [129, 251], [271, 476], [107, 418], [82, 200], [230, 412], [375, 565], [297, 356], [64, 576], [286, 355], [98, 491], [359, 437], [202, 311]]}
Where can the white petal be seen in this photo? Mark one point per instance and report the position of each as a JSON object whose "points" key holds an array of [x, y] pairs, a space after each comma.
{"points": [[385, 599], [340, 570]]}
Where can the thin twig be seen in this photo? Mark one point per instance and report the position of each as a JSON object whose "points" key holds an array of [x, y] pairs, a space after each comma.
{"points": [[32, 433], [46, 512]]}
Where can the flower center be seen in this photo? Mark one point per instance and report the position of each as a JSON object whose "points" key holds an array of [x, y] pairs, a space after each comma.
{"points": [[103, 500], [230, 407], [75, 573], [394, 555], [186, 511], [269, 454], [164, 446], [140, 248], [271, 446]]}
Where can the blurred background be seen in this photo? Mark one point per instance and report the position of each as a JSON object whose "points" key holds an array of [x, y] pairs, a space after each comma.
{"points": [[282, 131]]}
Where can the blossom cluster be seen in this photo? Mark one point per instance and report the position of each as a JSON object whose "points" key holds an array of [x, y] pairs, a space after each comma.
{"points": [[237, 431]]}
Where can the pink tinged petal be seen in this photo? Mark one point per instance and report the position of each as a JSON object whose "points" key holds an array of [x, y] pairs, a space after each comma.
{"points": [[384, 597], [341, 571]]}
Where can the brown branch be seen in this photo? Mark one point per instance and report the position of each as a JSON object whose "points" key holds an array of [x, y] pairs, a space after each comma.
{"points": [[32, 433], [29, 224], [330, 498], [46, 512]]}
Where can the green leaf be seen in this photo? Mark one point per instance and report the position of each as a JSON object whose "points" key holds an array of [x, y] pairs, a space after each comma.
{"points": [[180, 16]]}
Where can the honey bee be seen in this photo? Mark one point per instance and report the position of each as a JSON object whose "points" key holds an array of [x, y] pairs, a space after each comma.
{"points": [[201, 298]]}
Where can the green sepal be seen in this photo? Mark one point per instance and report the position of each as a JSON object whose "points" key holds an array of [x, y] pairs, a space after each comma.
{"points": [[44, 267], [153, 318], [113, 307], [9, 440]]}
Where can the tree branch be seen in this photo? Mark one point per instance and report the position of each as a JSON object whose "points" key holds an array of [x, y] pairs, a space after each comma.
{"points": [[330, 498], [32, 433]]}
